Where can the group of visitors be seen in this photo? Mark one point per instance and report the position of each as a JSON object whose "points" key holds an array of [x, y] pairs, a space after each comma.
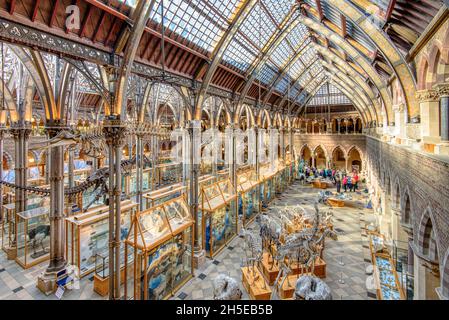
{"points": [[341, 179]]}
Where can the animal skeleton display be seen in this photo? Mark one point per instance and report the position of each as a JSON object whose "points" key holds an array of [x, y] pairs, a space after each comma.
{"points": [[253, 250], [226, 288], [302, 247], [37, 236]]}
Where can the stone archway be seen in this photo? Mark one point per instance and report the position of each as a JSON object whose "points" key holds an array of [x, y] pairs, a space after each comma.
{"points": [[427, 271], [355, 159], [338, 158]]}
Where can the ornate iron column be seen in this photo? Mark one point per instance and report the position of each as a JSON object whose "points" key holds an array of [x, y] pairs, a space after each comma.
{"points": [[195, 138], [114, 131], [57, 264], [71, 152], [256, 148], [139, 169]]}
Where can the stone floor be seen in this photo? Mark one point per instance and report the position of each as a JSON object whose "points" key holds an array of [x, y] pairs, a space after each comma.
{"points": [[347, 259]]}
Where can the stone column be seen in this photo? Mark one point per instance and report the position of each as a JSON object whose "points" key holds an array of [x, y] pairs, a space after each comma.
{"points": [[256, 147], [429, 112], [47, 281], [338, 126], [347, 127], [419, 275], [443, 92], [282, 142], [71, 167]]}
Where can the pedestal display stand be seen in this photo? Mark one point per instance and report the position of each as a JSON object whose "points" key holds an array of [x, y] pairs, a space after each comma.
{"points": [[255, 284]]}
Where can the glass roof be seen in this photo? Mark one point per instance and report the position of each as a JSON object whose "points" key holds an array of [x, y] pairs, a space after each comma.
{"points": [[199, 21], [328, 94], [203, 22]]}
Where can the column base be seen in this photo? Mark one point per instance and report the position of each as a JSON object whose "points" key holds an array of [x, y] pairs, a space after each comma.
{"points": [[11, 253], [440, 294], [46, 282], [199, 259]]}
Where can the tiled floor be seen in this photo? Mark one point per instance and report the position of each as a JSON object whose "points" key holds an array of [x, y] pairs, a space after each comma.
{"points": [[16, 283], [345, 258]]}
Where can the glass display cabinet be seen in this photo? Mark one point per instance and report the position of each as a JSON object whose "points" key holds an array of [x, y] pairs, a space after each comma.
{"points": [[9, 222], [217, 211], [385, 274], [130, 182], [34, 177], [249, 196], [161, 243], [167, 173], [33, 236], [267, 186], [157, 197], [87, 235]]}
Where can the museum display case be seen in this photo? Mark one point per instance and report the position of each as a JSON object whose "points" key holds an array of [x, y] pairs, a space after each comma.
{"points": [[33, 236], [130, 182], [166, 174], [249, 196], [9, 222], [217, 211], [385, 275], [159, 196], [160, 241], [87, 235], [35, 176], [267, 186]]}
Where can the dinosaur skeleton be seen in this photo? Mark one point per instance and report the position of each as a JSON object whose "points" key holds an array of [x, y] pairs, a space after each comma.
{"points": [[97, 180]]}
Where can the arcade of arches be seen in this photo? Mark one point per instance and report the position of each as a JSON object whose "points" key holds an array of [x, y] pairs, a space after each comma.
{"points": [[139, 138]]}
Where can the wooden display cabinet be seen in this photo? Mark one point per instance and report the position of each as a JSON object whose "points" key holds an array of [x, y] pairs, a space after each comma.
{"points": [[87, 235], [33, 236], [159, 196], [160, 242], [248, 196], [217, 212]]}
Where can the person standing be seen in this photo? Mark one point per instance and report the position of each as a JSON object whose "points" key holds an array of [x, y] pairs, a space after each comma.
{"points": [[355, 182], [338, 183], [349, 183], [345, 183]]}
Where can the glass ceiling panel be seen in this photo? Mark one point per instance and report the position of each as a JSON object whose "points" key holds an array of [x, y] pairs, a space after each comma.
{"points": [[278, 8], [328, 94], [238, 53], [298, 35], [267, 73], [282, 54], [296, 69], [258, 27], [282, 85], [199, 21]]}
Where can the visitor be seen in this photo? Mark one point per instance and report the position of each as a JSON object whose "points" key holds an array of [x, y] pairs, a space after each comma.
{"points": [[349, 183], [355, 181], [345, 182], [338, 183]]}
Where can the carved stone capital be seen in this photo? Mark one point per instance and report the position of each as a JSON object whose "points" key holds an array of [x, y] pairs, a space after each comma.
{"points": [[442, 89], [427, 95], [114, 134], [19, 133]]}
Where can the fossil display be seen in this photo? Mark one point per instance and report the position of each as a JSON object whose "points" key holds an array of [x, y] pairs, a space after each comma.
{"points": [[226, 288], [312, 288]]}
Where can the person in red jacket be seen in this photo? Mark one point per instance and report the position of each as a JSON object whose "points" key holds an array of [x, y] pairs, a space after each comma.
{"points": [[345, 183], [355, 181]]}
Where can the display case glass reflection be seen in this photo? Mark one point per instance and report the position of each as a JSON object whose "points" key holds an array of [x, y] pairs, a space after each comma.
{"points": [[161, 238], [168, 173], [162, 195], [33, 236], [249, 196], [218, 214], [88, 235]]}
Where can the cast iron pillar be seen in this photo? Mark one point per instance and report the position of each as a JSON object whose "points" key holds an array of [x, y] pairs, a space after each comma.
{"points": [[114, 132], [195, 144], [2, 128], [57, 264], [139, 169]]}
